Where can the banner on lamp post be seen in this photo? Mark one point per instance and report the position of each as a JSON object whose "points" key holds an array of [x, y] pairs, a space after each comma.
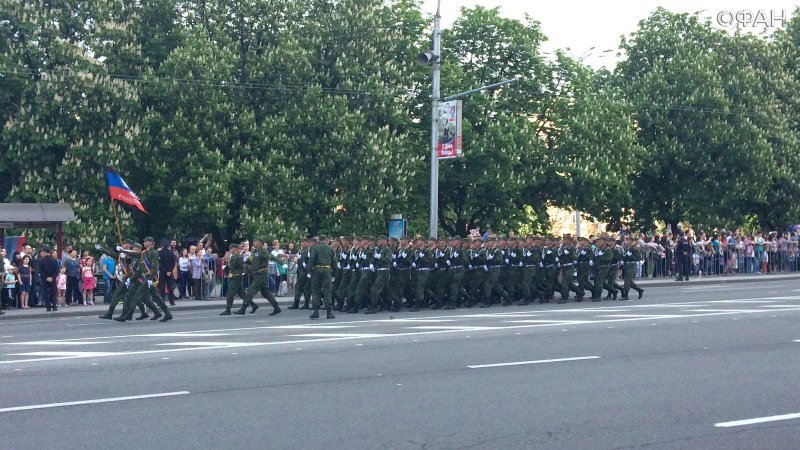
{"points": [[449, 130]]}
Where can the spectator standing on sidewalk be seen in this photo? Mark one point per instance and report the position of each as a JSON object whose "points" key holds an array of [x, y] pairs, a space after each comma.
{"points": [[166, 271], [108, 268], [73, 266], [196, 263], [185, 276]]}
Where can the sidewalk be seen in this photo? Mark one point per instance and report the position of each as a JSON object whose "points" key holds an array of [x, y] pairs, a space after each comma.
{"points": [[219, 303]]}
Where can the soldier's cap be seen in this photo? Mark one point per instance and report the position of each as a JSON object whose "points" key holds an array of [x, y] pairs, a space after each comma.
{"points": [[457, 239], [137, 245], [235, 246], [583, 239], [323, 237], [405, 238], [148, 239], [382, 238], [394, 239], [431, 239], [128, 241]]}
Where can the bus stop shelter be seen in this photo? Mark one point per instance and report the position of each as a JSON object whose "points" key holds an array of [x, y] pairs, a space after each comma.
{"points": [[36, 215]]}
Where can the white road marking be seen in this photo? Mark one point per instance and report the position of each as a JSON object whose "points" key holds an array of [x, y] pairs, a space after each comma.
{"points": [[454, 328], [66, 354], [338, 335], [644, 316], [91, 402], [739, 301], [202, 344], [554, 322], [303, 327], [55, 343], [541, 361], [724, 310], [739, 423], [186, 334]]}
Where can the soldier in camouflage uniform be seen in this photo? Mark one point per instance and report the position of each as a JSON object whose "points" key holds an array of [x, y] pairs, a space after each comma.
{"points": [[630, 258], [302, 287]]}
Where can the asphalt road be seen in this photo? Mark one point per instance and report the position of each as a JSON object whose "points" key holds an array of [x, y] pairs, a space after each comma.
{"points": [[712, 367]]}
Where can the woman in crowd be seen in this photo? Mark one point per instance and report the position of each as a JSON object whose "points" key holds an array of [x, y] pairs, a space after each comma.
{"points": [[73, 266], [184, 276], [25, 277], [196, 264]]}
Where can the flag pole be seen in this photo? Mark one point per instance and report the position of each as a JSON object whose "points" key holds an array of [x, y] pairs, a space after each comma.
{"points": [[116, 220]]}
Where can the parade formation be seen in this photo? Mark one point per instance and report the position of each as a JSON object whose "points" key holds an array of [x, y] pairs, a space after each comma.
{"points": [[351, 274]]}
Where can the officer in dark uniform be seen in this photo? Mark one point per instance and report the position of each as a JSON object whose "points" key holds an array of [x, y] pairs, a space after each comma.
{"points": [[683, 256], [303, 287]]}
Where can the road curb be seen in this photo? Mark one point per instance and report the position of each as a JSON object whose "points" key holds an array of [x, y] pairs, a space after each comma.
{"points": [[670, 282]]}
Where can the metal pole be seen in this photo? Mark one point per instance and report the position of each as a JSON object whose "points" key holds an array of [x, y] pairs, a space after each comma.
{"points": [[437, 38], [577, 223]]}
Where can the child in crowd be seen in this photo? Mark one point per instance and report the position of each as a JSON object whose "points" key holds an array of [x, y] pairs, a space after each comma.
{"points": [[87, 275], [9, 283], [61, 286], [25, 277]]}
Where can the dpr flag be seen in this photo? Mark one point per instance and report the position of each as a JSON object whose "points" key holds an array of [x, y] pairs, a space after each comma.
{"points": [[119, 190]]}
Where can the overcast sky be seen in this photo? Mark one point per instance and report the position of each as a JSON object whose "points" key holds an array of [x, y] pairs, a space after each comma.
{"points": [[581, 25]]}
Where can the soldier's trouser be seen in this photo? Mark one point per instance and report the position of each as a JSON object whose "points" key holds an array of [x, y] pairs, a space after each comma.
{"points": [[456, 287], [259, 285], [363, 289], [344, 284], [139, 293], [567, 283], [442, 285], [628, 270], [682, 267], [599, 281], [528, 283], [350, 297], [550, 280], [321, 288], [397, 285], [514, 285], [422, 283], [583, 278], [380, 284], [235, 288], [611, 280], [123, 295], [157, 296], [476, 277], [117, 297], [489, 284], [301, 288]]}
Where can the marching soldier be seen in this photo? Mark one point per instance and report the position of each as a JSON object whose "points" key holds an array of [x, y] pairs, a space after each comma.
{"points": [[320, 263], [550, 261], [602, 265], [125, 269], [140, 285], [442, 265], [583, 265], [530, 266], [400, 273], [629, 260], [381, 265], [423, 263], [490, 284], [616, 261], [345, 273], [355, 275], [367, 267], [259, 265], [459, 261], [302, 287], [567, 256], [476, 271], [236, 271]]}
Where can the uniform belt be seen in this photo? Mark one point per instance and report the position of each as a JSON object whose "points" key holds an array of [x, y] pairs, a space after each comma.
{"points": [[424, 268], [549, 265], [568, 265], [322, 266], [382, 269], [456, 267], [630, 262], [234, 275], [365, 268], [532, 265], [401, 268]]}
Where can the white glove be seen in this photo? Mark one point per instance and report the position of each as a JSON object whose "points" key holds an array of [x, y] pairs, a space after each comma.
{"points": [[377, 254], [506, 260], [485, 268], [520, 264], [448, 263], [128, 283], [348, 267], [123, 255], [435, 265], [489, 256], [394, 264], [372, 267], [591, 263], [358, 266], [149, 283], [119, 249], [528, 254], [339, 266], [549, 252], [470, 267], [413, 265], [557, 260], [541, 265], [97, 247], [305, 265], [308, 275], [629, 253]]}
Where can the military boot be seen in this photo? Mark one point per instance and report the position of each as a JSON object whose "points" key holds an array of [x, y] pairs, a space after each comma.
{"points": [[106, 316], [227, 312], [275, 311], [315, 314], [167, 317], [241, 311], [156, 314], [641, 292], [142, 316], [254, 307], [330, 314]]}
